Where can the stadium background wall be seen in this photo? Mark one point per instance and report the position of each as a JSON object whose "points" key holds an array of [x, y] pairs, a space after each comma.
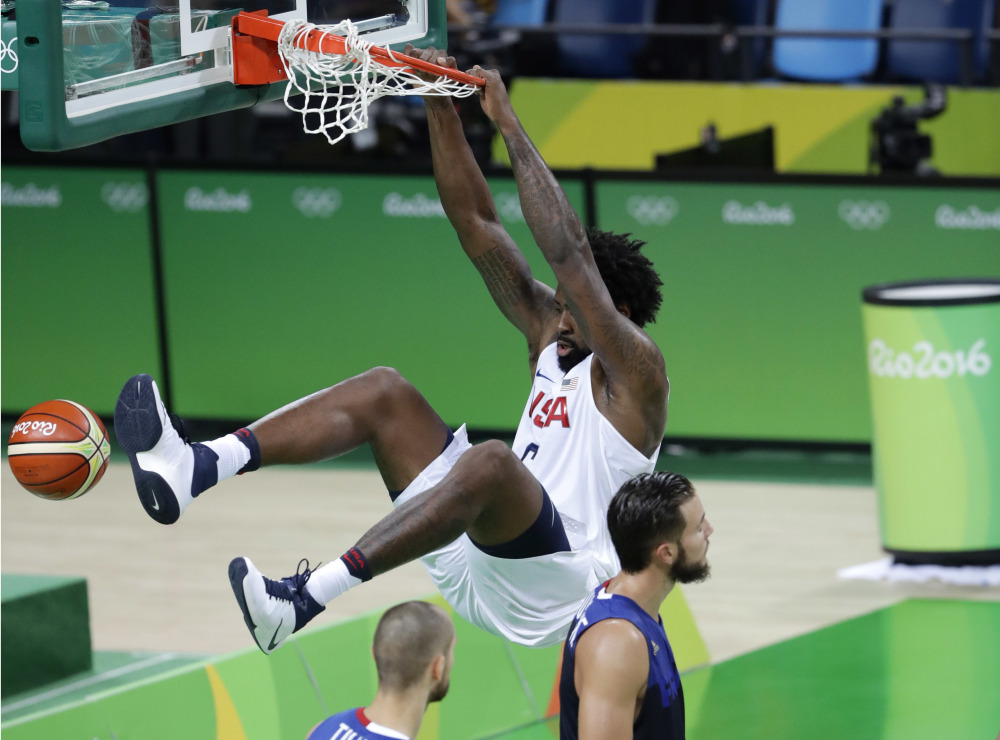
{"points": [[817, 128], [246, 290]]}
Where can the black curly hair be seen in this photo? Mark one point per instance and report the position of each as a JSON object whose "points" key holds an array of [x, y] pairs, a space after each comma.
{"points": [[628, 274]]}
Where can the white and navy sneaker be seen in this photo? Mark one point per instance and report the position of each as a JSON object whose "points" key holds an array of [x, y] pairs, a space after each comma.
{"points": [[168, 471], [273, 610]]}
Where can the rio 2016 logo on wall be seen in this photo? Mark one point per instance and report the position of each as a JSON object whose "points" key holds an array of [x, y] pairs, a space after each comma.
{"points": [[418, 205], [219, 200], [972, 218], [30, 196], [757, 214], [925, 362]]}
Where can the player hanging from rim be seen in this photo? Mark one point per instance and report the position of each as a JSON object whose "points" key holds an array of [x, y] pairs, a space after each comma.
{"points": [[619, 678], [513, 538], [414, 650]]}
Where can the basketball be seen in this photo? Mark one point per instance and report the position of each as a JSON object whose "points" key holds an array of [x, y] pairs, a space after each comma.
{"points": [[58, 450]]}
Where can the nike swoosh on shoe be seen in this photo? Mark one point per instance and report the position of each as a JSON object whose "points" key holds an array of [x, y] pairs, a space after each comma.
{"points": [[272, 645]]}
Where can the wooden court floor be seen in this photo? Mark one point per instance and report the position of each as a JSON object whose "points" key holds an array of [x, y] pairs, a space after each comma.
{"points": [[775, 555]]}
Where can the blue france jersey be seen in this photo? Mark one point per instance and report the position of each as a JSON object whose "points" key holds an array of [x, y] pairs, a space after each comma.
{"points": [[352, 725], [661, 715]]}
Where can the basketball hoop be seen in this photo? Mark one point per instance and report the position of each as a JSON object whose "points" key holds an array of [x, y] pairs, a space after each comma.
{"points": [[337, 72]]}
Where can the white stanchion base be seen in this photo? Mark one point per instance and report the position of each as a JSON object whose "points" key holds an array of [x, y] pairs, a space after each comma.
{"points": [[886, 570]]}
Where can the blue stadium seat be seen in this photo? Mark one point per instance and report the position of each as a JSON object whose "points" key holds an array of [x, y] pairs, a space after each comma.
{"points": [[519, 13], [939, 61], [826, 60], [585, 55], [750, 12]]}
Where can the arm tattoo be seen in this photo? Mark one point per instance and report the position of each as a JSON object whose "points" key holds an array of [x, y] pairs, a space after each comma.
{"points": [[501, 276], [638, 359], [546, 210]]}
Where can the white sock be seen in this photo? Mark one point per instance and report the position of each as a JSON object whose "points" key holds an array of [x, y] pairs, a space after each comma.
{"points": [[233, 455], [329, 581]]}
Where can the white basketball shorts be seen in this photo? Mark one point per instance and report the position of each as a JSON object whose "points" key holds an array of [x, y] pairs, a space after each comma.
{"points": [[530, 601]]}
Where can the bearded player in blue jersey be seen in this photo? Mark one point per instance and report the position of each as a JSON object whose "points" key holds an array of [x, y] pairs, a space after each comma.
{"points": [[619, 678], [414, 650]]}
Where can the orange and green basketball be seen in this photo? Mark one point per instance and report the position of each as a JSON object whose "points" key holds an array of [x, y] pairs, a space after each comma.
{"points": [[58, 450]]}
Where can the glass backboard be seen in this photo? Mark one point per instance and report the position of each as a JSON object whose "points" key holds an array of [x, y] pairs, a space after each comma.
{"points": [[90, 70], [380, 21]]}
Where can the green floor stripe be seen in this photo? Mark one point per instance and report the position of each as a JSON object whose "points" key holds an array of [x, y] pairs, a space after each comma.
{"points": [[919, 669], [110, 670]]}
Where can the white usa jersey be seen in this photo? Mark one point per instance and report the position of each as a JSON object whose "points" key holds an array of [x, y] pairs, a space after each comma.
{"points": [[576, 454]]}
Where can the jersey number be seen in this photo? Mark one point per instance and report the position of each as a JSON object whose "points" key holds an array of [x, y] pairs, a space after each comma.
{"points": [[532, 450]]}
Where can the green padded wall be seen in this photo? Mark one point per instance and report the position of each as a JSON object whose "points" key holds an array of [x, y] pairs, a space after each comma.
{"points": [[279, 285], [79, 313], [761, 320]]}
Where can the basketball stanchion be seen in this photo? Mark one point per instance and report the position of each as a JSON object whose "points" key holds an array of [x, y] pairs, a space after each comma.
{"points": [[338, 73]]}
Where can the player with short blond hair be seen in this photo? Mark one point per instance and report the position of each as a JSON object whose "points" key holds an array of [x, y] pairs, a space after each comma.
{"points": [[414, 650]]}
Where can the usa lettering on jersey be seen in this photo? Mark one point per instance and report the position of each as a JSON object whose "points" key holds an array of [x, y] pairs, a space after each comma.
{"points": [[550, 411]]}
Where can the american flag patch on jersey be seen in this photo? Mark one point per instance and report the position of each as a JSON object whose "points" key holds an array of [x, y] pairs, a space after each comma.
{"points": [[569, 384]]}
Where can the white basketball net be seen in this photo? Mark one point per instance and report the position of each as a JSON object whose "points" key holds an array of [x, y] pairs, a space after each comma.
{"points": [[337, 89]]}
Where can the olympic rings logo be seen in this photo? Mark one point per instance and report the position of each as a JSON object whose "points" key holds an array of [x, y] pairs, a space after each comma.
{"points": [[651, 209], [8, 51], [509, 207], [125, 197], [317, 202], [864, 214]]}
